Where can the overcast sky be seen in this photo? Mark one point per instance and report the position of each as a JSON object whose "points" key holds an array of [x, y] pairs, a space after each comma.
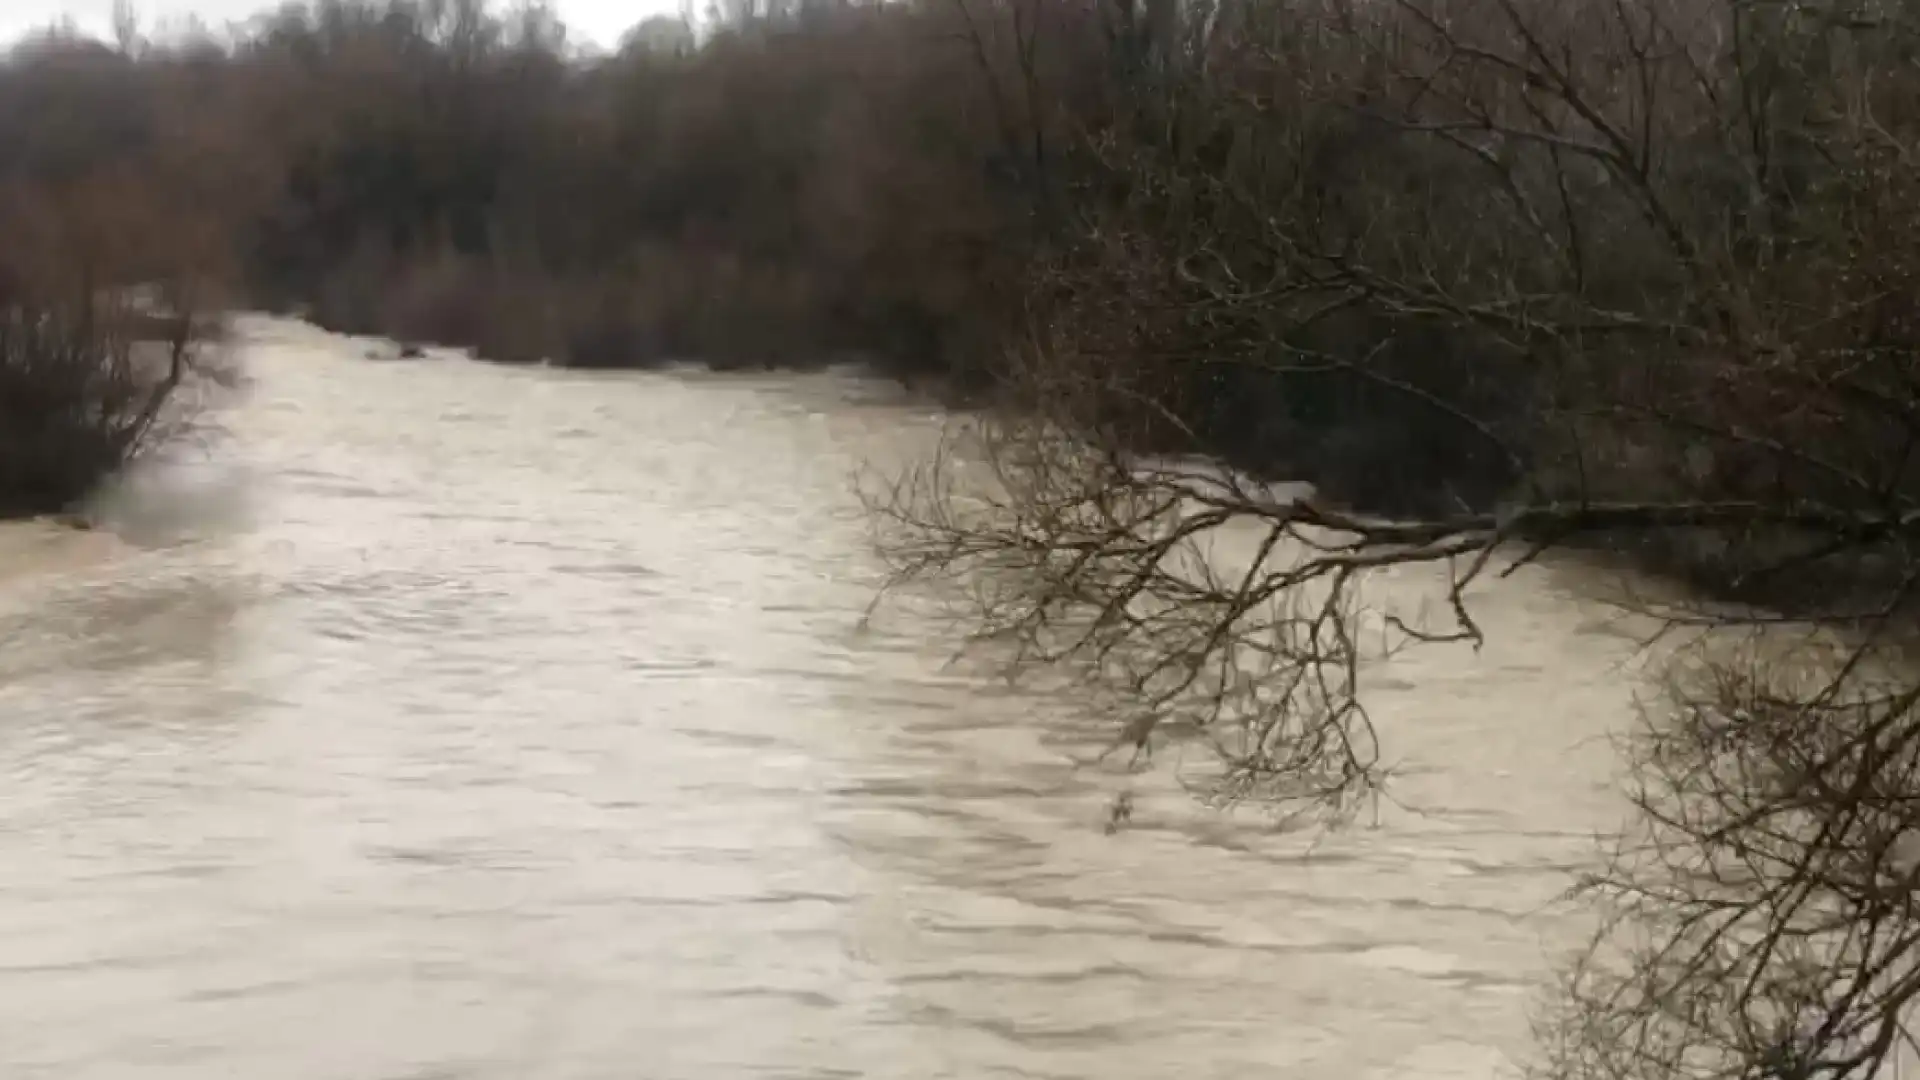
{"points": [[588, 21]]}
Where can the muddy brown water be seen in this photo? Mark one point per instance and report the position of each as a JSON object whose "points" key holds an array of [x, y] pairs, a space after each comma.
{"points": [[461, 721]]}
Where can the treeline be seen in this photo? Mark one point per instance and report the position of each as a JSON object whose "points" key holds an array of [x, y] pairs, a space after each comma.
{"points": [[795, 185], [799, 184], [1428, 255], [1638, 275], [915, 184]]}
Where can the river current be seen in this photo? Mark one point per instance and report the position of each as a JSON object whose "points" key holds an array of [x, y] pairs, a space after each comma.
{"points": [[457, 721]]}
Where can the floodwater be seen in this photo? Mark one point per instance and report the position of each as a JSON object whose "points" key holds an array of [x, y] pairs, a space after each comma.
{"points": [[468, 722]]}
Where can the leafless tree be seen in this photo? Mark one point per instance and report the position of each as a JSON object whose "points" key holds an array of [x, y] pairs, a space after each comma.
{"points": [[89, 387], [109, 328], [1759, 919], [1650, 261]]}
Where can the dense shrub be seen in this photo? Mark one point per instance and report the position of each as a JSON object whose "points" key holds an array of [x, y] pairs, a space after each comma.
{"points": [[86, 389]]}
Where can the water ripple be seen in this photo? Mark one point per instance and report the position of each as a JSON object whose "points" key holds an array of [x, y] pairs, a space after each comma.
{"points": [[529, 730]]}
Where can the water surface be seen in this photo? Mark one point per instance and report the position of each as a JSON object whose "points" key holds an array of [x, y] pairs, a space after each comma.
{"points": [[475, 722]]}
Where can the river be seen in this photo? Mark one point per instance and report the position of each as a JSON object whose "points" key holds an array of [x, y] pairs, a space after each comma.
{"points": [[461, 721]]}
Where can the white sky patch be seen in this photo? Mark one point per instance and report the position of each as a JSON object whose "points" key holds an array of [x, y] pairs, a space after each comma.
{"points": [[589, 22]]}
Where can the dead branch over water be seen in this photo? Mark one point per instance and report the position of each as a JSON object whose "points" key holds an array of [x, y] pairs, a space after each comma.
{"points": [[1633, 276]]}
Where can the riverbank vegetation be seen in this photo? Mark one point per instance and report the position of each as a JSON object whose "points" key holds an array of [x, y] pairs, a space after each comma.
{"points": [[86, 388], [1632, 277], [1313, 244], [93, 373], [1496, 277], [804, 185]]}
